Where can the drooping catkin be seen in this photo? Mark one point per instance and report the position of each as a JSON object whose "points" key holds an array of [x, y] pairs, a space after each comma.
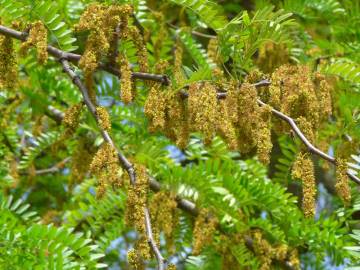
{"points": [[126, 85], [178, 55], [154, 108], [37, 38], [176, 120], [81, 159], [264, 144], [8, 67], [105, 166], [262, 249], [72, 116], [342, 181], [271, 56], [135, 205], [202, 103], [103, 118], [303, 169], [204, 230], [225, 127], [135, 260], [247, 119], [163, 209], [138, 40], [293, 93]]}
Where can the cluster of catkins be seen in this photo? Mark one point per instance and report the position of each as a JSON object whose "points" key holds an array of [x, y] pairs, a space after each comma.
{"points": [[107, 24], [238, 119], [105, 166], [164, 215]]}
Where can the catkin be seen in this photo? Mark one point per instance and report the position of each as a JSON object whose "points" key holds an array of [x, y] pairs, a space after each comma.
{"points": [[202, 103], [8, 67], [303, 169], [342, 182], [204, 229], [37, 38]]}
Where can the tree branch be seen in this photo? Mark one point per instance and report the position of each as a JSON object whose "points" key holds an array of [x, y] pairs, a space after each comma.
{"points": [[122, 159], [72, 57]]}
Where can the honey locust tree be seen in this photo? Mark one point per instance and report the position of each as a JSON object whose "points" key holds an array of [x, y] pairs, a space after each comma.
{"points": [[179, 134]]}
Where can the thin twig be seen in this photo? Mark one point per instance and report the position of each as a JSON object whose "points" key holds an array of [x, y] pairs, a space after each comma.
{"points": [[74, 58], [122, 159]]}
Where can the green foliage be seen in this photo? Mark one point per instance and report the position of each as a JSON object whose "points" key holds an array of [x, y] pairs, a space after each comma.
{"points": [[209, 12], [41, 246], [46, 11]]}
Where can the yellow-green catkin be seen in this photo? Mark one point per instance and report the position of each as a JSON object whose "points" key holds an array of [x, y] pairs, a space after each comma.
{"points": [[303, 168], [293, 93], [271, 56], [163, 209], [8, 67], [134, 260], [126, 85], [225, 127], [262, 249], [105, 166], [324, 95], [37, 38], [81, 159], [247, 118], [264, 144], [178, 55], [154, 108], [103, 118], [138, 40], [176, 120], [202, 104], [100, 21], [171, 266], [72, 116], [135, 205], [212, 51], [204, 230], [294, 260], [342, 181], [155, 104]]}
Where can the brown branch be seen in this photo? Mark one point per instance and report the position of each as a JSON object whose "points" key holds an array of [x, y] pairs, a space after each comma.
{"points": [[122, 159], [74, 58]]}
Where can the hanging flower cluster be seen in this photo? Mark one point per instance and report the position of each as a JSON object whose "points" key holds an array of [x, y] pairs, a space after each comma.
{"points": [[102, 22], [8, 66], [135, 205], [163, 208], [294, 92], [105, 166], [204, 230], [37, 38], [303, 169]]}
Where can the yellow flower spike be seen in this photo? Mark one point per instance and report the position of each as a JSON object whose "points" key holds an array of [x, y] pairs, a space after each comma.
{"points": [[126, 92], [71, 116], [37, 38], [141, 48], [342, 181], [224, 126], [202, 104], [303, 168], [103, 118], [264, 144], [204, 229], [163, 208], [8, 67]]}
